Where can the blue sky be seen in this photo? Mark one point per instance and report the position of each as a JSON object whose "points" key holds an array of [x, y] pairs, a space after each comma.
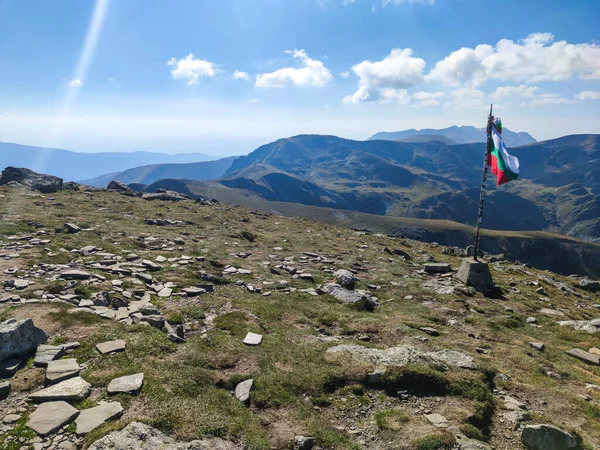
{"points": [[224, 76]]}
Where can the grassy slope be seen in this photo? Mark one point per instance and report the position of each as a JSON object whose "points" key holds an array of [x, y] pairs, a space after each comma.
{"points": [[298, 390]]}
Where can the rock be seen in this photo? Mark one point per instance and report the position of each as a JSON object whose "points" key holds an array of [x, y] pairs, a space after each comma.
{"points": [[108, 347], [9, 367], [546, 437], [243, 389], [584, 356], [165, 292], [455, 359], [46, 353], [11, 418], [594, 351], [345, 278], [552, 312], [19, 338], [531, 320], [129, 384], [362, 299], [73, 389], [75, 275], [589, 326], [537, 345], [4, 388], [92, 418], [512, 404], [304, 442], [51, 416], [253, 339], [589, 285], [139, 436], [437, 420], [46, 184], [151, 265], [156, 321], [72, 228], [145, 277], [437, 267], [119, 186], [193, 291], [430, 331], [476, 274], [465, 443], [168, 196], [62, 369]]}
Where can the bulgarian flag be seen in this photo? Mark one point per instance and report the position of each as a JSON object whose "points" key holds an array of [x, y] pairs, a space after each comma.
{"points": [[504, 165]]}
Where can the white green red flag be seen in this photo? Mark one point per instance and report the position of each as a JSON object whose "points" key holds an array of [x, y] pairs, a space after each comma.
{"points": [[504, 165]]}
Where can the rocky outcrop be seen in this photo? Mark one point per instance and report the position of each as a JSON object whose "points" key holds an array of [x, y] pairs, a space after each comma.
{"points": [[138, 436], [360, 299], [590, 326], [162, 194], [119, 186], [40, 182], [17, 339]]}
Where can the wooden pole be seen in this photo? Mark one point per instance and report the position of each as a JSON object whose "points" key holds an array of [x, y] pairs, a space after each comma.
{"points": [[483, 181]]}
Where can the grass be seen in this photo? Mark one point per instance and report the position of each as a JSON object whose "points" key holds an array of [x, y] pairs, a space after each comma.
{"points": [[441, 441], [391, 419], [471, 431], [11, 440]]}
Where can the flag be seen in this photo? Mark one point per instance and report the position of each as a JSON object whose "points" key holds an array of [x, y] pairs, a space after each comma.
{"points": [[504, 165]]}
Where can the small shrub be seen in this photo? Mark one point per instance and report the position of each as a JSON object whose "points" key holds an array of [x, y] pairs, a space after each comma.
{"points": [[56, 287], [175, 317], [247, 235], [391, 419], [444, 441], [471, 431], [327, 319], [83, 291]]}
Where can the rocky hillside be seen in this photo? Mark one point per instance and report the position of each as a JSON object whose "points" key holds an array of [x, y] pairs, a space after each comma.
{"points": [[139, 323]]}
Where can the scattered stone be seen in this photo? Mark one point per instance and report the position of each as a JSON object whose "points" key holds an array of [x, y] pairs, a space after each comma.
{"points": [[455, 359], [18, 338], [589, 326], [345, 278], [552, 312], [62, 369], [108, 347], [531, 320], [72, 228], [430, 331], [584, 356], [73, 389], [243, 389], [437, 420], [437, 267], [364, 299], [304, 442], [537, 345], [589, 285], [151, 265], [139, 436], [11, 418], [546, 437], [193, 291], [129, 384], [92, 418], [155, 320], [75, 275], [49, 417], [253, 339], [165, 292]]}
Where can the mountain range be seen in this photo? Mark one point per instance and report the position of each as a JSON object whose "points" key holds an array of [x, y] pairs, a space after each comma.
{"points": [[76, 166]]}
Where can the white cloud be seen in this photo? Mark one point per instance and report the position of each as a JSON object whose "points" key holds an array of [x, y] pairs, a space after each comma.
{"points": [[588, 95], [312, 73], [75, 83], [191, 68], [535, 58], [238, 75], [468, 98], [526, 93], [522, 91], [548, 99], [111, 79], [4, 114], [427, 98], [384, 95], [254, 100], [397, 71], [345, 74]]}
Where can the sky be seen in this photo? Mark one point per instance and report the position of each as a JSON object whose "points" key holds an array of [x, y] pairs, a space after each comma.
{"points": [[223, 77]]}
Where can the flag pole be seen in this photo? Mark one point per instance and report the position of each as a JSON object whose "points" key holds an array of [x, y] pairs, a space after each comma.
{"points": [[483, 180]]}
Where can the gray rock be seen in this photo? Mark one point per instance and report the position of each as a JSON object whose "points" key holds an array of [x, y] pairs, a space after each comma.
{"points": [[119, 186], [4, 388], [345, 278], [304, 442], [194, 291], [165, 292], [151, 265], [50, 417], [168, 196], [61, 369], [46, 353], [129, 384], [73, 389], [19, 338], [584, 356], [455, 359], [393, 356], [154, 320], [75, 275], [476, 274], [465, 443], [552, 312], [546, 437], [531, 320], [108, 347], [9, 367], [430, 331], [252, 339], [243, 389], [362, 299], [437, 420], [72, 228], [44, 183], [92, 418], [589, 285], [437, 267], [11, 418], [589, 326], [537, 345]]}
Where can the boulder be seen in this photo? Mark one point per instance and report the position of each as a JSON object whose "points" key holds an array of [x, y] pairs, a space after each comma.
{"points": [[139, 436], [50, 417], [26, 177], [433, 267], [243, 389], [546, 437], [345, 278], [119, 186], [589, 326], [584, 356], [362, 299], [18, 338]]}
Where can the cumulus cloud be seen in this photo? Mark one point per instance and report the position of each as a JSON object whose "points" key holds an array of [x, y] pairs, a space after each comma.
{"points": [[427, 98], [548, 99], [75, 83], [191, 69], [527, 95], [238, 75], [468, 98], [588, 95], [312, 73], [345, 74], [388, 78], [535, 58], [522, 91]]}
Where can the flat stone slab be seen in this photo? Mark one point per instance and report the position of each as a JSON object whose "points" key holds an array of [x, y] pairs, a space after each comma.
{"points": [[437, 420], [243, 389], [165, 292], [75, 275], [129, 384], [584, 356], [193, 291], [73, 389], [108, 347], [92, 418], [9, 367], [46, 353], [61, 369], [50, 417], [253, 339], [437, 267]]}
